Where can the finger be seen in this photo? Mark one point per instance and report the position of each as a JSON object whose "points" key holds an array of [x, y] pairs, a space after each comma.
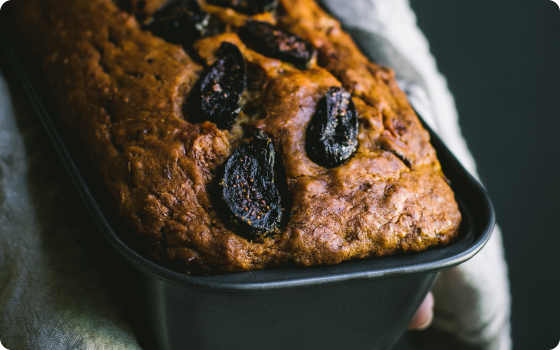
{"points": [[423, 317]]}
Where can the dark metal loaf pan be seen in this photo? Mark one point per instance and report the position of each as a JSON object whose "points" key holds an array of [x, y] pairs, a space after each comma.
{"points": [[364, 304]]}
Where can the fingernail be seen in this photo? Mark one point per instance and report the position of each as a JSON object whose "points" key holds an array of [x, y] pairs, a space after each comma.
{"points": [[424, 315], [426, 324]]}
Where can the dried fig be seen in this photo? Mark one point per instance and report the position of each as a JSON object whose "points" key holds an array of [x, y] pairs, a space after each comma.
{"points": [[180, 22], [332, 134], [222, 87], [275, 42], [249, 189], [248, 7]]}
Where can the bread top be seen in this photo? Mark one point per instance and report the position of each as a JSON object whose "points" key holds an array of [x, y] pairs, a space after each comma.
{"points": [[126, 94]]}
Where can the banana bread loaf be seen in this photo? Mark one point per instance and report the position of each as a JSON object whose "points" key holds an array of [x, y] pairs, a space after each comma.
{"points": [[237, 135]]}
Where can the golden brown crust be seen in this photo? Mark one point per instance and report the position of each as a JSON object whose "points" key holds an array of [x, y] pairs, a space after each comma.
{"points": [[124, 92]]}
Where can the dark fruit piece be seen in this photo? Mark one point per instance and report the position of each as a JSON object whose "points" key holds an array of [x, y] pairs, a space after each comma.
{"points": [[332, 134], [249, 189], [248, 7], [180, 22], [222, 87], [275, 42]]}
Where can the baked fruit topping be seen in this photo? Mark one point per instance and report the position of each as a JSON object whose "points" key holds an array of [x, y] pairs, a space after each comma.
{"points": [[248, 7], [168, 131], [180, 22], [222, 87], [332, 134], [275, 42], [249, 189]]}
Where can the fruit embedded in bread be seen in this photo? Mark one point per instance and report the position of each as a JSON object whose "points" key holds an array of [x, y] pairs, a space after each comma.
{"points": [[249, 189], [254, 140], [249, 7], [222, 87], [179, 22], [332, 134], [273, 41]]}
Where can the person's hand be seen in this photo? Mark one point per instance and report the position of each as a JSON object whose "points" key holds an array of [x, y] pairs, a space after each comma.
{"points": [[425, 314]]}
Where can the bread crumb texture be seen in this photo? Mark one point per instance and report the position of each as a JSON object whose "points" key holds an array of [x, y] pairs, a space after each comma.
{"points": [[126, 94]]}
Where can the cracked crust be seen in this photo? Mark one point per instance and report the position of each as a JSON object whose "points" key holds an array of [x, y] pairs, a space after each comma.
{"points": [[125, 94]]}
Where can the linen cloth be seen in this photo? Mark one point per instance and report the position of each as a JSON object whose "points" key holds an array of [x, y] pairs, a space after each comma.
{"points": [[53, 295]]}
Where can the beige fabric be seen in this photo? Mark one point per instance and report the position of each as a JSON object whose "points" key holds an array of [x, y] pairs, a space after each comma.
{"points": [[51, 293]]}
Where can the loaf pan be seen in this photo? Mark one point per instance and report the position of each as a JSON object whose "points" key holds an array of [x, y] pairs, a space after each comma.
{"points": [[362, 304]]}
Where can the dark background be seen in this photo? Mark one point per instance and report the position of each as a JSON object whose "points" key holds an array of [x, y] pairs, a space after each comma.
{"points": [[502, 62]]}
